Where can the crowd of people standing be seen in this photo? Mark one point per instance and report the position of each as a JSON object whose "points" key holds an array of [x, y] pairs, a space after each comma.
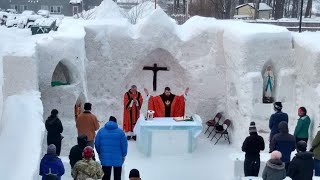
{"points": [[304, 164], [110, 143]]}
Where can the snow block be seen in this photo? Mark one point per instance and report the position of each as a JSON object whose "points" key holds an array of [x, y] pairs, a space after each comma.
{"points": [[20, 74]]}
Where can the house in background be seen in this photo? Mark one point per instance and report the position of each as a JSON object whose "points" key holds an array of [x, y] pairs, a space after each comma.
{"points": [[247, 11], [63, 7]]}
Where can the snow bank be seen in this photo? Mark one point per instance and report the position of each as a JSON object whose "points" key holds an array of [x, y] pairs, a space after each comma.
{"points": [[106, 10], [308, 40], [21, 136]]}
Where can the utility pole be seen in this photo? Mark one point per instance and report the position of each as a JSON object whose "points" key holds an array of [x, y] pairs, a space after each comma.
{"points": [[301, 9], [155, 4], [187, 10]]}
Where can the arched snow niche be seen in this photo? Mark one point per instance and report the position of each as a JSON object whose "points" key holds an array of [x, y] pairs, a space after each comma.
{"points": [[65, 73], [274, 88], [176, 78]]}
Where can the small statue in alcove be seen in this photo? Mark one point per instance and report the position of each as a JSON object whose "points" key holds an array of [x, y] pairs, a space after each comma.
{"points": [[268, 79]]}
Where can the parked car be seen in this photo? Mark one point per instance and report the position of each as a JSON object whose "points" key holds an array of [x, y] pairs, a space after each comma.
{"points": [[3, 18], [12, 11], [26, 17], [12, 20], [44, 13]]}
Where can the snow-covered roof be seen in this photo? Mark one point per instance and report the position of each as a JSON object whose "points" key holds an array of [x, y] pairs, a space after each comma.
{"points": [[75, 1], [262, 6]]}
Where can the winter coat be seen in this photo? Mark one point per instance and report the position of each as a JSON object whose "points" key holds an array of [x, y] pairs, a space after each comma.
{"points": [[301, 166], [274, 170], [87, 124], [252, 146], [52, 162], [111, 145], [316, 146], [84, 169], [54, 128], [302, 128], [274, 121], [283, 142], [76, 151]]}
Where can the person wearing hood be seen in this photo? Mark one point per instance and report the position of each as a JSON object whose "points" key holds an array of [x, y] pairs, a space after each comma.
{"points": [[51, 165], [302, 165], [283, 142], [276, 118], [76, 151], [301, 131], [54, 128], [252, 146], [112, 145], [275, 168]]}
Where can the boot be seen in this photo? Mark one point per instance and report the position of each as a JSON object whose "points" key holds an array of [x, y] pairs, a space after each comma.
{"points": [[134, 138], [128, 138]]}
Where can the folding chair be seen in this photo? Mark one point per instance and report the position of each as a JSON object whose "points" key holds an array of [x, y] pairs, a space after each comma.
{"points": [[213, 122], [223, 132]]}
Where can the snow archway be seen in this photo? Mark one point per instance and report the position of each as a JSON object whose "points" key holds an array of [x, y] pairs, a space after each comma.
{"points": [[64, 74]]}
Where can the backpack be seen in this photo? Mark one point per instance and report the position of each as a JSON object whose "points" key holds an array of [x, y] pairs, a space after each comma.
{"points": [[51, 176]]}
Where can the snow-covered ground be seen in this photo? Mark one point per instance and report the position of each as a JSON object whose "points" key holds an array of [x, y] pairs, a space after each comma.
{"points": [[207, 162]]}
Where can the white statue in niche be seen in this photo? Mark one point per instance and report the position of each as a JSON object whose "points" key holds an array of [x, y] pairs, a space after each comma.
{"points": [[268, 79]]}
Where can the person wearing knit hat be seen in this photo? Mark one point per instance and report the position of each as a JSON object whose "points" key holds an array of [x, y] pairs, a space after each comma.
{"points": [[252, 146], [134, 174], [302, 165], [87, 168], [51, 165], [51, 149], [276, 118], [275, 168], [252, 127], [87, 124]]}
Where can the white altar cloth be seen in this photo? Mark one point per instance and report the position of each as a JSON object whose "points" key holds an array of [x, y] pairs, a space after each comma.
{"points": [[144, 130]]}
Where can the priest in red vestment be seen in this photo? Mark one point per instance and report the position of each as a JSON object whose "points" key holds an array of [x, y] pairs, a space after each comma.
{"points": [[132, 105], [167, 104]]}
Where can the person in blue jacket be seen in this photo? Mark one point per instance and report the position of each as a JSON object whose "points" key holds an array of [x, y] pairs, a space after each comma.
{"points": [[111, 145], [51, 165], [276, 118]]}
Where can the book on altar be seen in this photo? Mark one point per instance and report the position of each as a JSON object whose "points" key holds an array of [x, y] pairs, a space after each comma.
{"points": [[183, 118]]}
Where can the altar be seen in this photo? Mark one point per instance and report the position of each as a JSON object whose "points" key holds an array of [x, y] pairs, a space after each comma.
{"points": [[167, 134]]}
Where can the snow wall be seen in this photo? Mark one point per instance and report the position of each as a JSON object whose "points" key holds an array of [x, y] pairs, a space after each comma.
{"points": [[221, 61]]}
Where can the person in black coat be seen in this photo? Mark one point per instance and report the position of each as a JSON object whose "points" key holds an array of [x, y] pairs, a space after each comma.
{"points": [[252, 146], [302, 165], [54, 128], [77, 150], [283, 142]]}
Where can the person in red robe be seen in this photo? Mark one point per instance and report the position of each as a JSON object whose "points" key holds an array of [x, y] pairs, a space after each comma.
{"points": [[132, 105], [167, 104]]}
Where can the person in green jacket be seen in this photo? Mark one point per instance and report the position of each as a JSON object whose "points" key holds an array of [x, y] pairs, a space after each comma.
{"points": [[316, 151], [301, 131]]}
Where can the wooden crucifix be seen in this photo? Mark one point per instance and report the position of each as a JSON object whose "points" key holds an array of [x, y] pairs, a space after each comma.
{"points": [[155, 69]]}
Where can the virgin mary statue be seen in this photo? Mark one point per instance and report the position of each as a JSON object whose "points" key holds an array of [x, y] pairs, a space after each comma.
{"points": [[268, 85]]}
